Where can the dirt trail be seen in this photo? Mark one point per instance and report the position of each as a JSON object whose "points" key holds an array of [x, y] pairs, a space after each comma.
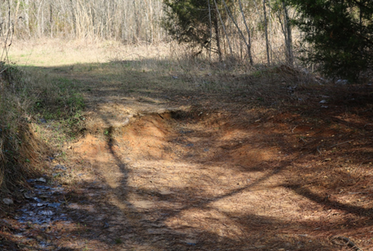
{"points": [[161, 170], [180, 178]]}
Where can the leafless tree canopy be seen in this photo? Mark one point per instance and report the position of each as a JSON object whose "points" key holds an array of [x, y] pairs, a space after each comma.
{"points": [[129, 21], [254, 30]]}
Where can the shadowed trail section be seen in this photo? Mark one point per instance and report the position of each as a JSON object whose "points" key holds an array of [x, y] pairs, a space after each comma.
{"points": [[179, 177], [174, 169], [173, 182]]}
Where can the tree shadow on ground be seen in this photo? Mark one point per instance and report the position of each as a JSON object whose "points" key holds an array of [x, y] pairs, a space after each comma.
{"points": [[191, 219]]}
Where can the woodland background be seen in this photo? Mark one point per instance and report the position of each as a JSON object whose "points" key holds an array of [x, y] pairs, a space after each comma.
{"points": [[262, 23]]}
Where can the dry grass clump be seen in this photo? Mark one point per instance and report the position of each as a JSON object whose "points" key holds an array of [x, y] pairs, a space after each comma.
{"points": [[18, 147], [28, 97]]}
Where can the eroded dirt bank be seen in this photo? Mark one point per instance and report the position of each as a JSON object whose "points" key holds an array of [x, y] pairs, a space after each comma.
{"points": [[210, 180], [205, 180]]}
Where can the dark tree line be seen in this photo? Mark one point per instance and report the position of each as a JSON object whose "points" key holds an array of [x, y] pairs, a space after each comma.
{"points": [[336, 35], [339, 35]]}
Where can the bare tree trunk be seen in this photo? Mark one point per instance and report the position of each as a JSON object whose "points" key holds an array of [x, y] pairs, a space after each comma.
{"points": [[73, 17], [239, 30], [27, 18], [209, 6], [51, 19], [8, 35], [217, 34], [15, 19], [270, 30], [42, 19], [151, 28], [266, 31], [39, 18], [222, 23], [288, 37], [248, 33]]}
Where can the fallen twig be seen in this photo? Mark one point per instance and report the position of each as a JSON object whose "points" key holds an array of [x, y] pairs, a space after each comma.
{"points": [[340, 143], [318, 150], [344, 241]]}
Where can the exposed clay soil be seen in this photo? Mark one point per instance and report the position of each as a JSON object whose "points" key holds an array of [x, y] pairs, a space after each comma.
{"points": [[205, 172]]}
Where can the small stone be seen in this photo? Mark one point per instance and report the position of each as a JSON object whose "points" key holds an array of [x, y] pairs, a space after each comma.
{"points": [[60, 167], [341, 81], [29, 195], [41, 180], [46, 212], [8, 201], [165, 192], [191, 242]]}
